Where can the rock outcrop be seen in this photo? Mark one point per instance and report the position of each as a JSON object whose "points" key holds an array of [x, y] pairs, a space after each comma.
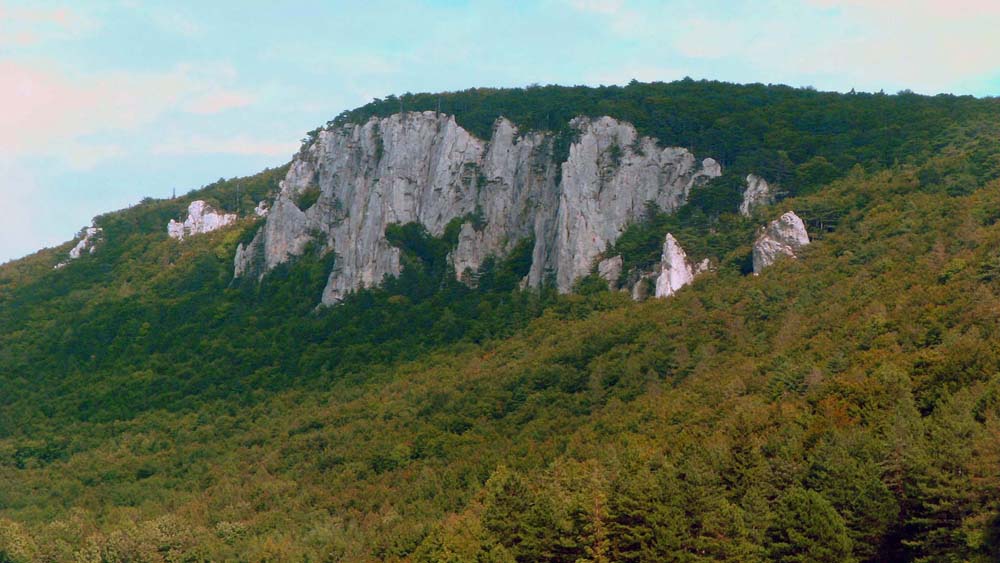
{"points": [[202, 218], [261, 209], [607, 182], [87, 243], [610, 270], [757, 194], [675, 270], [782, 237], [425, 168]]}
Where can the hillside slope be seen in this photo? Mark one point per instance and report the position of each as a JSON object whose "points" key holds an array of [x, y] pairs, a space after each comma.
{"points": [[842, 406]]}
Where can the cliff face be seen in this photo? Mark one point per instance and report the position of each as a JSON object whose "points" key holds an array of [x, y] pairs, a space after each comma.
{"points": [[782, 237], [355, 180]]}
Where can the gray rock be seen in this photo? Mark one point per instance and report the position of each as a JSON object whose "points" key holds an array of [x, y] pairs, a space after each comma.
{"points": [[757, 194], [423, 167], [89, 238], [467, 255], [87, 243], [202, 218], [782, 237], [675, 271], [645, 286], [610, 270], [607, 182]]}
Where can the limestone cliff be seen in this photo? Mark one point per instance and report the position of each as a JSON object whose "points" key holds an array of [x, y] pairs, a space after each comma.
{"points": [[346, 187], [782, 237]]}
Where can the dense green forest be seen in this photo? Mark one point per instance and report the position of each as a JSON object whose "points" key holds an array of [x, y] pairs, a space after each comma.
{"points": [[799, 138], [841, 407]]}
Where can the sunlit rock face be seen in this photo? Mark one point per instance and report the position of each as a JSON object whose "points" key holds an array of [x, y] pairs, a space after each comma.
{"points": [[202, 218], [782, 237], [610, 177], [675, 272], [675, 269], [757, 194], [425, 168]]}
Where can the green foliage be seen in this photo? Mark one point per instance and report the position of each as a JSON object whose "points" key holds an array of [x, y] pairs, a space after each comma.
{"points": [[796, 137], [723, 237], [806, 528], [840, 407], [307, 198], [720, 195], [16, 544]]}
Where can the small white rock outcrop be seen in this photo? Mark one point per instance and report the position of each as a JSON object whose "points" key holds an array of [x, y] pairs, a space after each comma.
{"points": [[757, 194], [781, 237], [87, 243], [675, 270], [202, 218], [261, 209]]}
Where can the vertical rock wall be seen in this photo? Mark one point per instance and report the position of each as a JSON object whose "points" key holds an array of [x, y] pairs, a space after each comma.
{"points": [[345, 188]]}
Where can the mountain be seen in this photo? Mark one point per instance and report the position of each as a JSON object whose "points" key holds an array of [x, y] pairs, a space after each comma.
{"points": [[433, 336]]}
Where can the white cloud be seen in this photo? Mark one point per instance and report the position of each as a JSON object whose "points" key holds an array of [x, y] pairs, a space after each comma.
{"points": [[175, 22], [924, 45], [350, 64], [928, 43], [45, 111], [219, 101], [238, 145], [605, 7], [84, 156], [937, 9], [24, 27]]}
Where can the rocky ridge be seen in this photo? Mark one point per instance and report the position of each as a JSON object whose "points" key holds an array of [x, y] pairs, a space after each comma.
{"points": [[353, 181]]}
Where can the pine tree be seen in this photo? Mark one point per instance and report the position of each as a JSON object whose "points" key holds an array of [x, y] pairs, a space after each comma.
{"points": [[807, 529]]}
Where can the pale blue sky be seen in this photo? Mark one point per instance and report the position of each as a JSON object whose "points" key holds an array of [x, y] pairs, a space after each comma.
{"points": [[103, 102]]}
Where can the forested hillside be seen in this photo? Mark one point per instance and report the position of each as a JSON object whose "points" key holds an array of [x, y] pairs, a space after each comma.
{"points": [[844, 406]]}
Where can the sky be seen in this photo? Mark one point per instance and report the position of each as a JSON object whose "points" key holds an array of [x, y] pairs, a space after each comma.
{"points": [[105, 102]]}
